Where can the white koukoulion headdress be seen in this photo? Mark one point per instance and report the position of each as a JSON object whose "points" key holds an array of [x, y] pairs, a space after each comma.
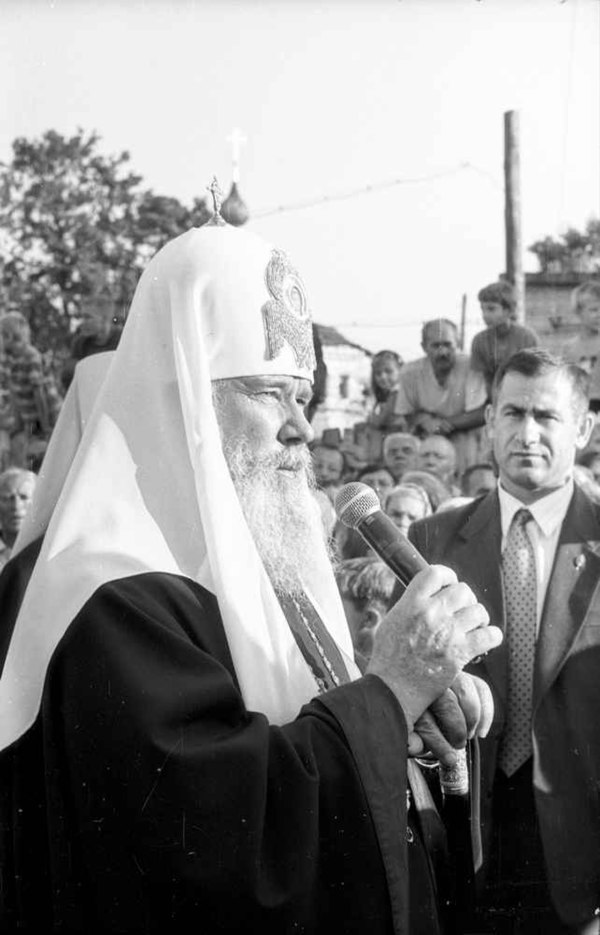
{"points": [[149, 489]]}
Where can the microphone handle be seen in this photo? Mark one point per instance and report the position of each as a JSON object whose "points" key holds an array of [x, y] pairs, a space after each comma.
{"points": [[391, 546], [460, 817], [406, 561]]}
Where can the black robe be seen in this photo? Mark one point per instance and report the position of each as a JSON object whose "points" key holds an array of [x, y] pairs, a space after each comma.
{"points": [[14, 579], [146, 798]]}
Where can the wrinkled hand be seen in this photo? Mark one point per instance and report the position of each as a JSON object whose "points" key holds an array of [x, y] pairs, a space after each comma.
{"points": [[427, 638], [424, 423], [442, 427], [464, 711]]}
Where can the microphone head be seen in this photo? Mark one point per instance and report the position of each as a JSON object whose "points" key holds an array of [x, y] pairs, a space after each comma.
{"points": [[354, 502]]}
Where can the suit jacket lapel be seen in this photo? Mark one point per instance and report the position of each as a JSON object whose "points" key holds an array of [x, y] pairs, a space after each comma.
{"points": [[573, 580], [477, 559]]}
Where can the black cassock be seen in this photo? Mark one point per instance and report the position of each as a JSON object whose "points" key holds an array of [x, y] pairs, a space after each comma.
{"points": [[146, 798]]}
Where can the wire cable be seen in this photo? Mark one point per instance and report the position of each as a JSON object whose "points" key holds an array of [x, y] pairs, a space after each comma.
{"points": [[373, 188]]}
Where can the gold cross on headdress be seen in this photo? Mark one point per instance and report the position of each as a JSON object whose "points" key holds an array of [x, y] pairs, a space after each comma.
{"points": [[217, 195]]}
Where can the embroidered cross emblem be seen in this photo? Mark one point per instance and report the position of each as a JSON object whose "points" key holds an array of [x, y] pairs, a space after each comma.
{"points": [[287, 316]]}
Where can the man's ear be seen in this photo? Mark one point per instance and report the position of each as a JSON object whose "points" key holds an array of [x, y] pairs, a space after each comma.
{"points": [[586, 426]]}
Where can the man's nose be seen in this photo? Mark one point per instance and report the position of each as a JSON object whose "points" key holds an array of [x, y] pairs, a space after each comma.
{"points": [[529, 431], [296, 429]]}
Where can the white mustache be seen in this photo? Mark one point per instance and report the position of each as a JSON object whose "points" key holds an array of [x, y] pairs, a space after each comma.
{"points": [[293, 460]]}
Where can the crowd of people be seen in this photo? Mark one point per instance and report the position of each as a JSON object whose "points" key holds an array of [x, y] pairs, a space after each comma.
{"points": [[426, 428], [219, 705]]}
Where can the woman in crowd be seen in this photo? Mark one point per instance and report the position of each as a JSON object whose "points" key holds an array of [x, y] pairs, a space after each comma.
{"points": [[385, 375], [405, 504]]}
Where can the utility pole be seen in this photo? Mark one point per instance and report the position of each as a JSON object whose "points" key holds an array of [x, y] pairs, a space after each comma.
{"points": [[463, 321], [512, 210]]}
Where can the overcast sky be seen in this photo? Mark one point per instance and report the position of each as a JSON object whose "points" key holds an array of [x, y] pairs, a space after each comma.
{"points": [[334, 97]]}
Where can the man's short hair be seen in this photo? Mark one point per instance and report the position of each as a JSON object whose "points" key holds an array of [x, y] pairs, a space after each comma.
{"points": [[500, 292], [446, 443], [15, 472], [478, 466], [392, 436], [365, 579], [437, 321], [471, 468], [591, 288], [535, 362]]}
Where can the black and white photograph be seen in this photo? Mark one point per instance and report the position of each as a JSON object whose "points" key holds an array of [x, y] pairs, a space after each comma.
{"points": [[300, 467]]}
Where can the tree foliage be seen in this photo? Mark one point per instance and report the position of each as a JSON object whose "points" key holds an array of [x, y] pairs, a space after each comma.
{"points": [[574, 252], [74, 223]]}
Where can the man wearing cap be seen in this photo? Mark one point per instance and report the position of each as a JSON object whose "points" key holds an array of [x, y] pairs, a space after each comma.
{"points": [[194, 745]]}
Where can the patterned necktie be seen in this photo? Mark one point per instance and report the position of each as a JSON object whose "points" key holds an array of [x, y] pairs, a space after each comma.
{"points": [[520, 594]]}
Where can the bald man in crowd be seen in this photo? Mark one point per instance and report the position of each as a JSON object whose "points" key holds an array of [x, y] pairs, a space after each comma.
{"points": [[438, 456], [441, 394]]}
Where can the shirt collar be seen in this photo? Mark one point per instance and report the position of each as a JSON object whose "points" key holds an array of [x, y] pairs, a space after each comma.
{"points": [[548, 511]]}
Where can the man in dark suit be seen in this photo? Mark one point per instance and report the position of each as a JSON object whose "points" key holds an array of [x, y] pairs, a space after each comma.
{"points": [[530, 551]]}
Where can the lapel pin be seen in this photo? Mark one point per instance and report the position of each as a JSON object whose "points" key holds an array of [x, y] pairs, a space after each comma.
{"points": [[579, 562]]}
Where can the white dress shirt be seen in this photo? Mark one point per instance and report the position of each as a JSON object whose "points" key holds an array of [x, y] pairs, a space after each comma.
{"points": [[548, 514]]}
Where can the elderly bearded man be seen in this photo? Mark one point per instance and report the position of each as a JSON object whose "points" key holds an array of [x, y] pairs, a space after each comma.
{"points": [[196, 749]]}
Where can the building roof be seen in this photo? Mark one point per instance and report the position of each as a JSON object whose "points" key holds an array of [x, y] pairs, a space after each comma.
{"points": [[331, 337]]}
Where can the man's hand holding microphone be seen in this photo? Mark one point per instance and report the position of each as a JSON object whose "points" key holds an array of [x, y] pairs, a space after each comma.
{"points": [[423, 644]]}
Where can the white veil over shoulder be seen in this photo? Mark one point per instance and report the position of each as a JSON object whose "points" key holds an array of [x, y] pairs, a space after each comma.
{"points": [[64, 442], [149, 489]]}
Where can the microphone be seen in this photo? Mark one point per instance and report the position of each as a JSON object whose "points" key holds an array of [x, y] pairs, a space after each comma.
{"points": [[358, 507]]}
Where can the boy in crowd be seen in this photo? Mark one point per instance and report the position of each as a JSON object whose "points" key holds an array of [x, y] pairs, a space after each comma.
{"points": [[584, 350], [502, 335]]}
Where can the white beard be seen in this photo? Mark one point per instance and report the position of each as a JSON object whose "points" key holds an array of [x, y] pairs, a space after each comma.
{"points": [[281, 511]]}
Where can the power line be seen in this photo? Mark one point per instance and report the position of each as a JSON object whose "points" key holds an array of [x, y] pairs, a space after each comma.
{"points": [[415, 322], [374, 187]]}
